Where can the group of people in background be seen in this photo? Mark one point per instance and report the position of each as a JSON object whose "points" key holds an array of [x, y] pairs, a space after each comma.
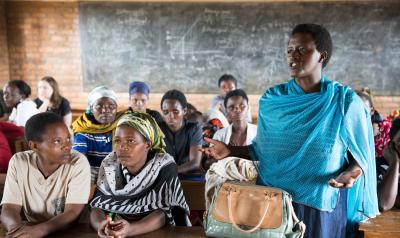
{"points": [[134, 156]]}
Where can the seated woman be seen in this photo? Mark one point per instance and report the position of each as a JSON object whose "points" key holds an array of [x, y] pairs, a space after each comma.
{"points": [[16, 93], [388, 171], [182, 137], [9, 133], [48, 186], [213, 121], [381, 125], [226, 83], [93, 129], [138, 182], [4, 110], [239, 132], [49, 99], [139, 96]]}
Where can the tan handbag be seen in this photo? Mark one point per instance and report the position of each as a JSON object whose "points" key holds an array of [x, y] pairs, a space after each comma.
{"points": [[246, 210]]}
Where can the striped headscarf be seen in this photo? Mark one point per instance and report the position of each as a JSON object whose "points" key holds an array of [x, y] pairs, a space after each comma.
{"points": [[147, 127]]}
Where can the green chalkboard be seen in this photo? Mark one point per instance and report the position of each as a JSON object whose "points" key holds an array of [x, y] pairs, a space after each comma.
{"points": [[189, 45]]}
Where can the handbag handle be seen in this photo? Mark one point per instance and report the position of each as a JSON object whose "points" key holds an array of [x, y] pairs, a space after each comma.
{"points": [[234, 223]]}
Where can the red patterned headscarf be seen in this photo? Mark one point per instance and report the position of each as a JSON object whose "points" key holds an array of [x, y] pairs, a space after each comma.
{"points": [[382, 138]]}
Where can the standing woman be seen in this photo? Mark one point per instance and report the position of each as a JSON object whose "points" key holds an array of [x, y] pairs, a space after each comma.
{"points": [[49, 99], [315, 141], [16, 96]]}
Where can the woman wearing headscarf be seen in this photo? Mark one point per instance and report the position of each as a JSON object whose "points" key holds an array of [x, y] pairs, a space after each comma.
{"points": [[139, 94], [138, 182], [380, 124], [93, 129]]}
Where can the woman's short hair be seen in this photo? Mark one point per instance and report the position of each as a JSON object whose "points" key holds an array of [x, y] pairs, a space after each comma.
{"points": [[233, 93], [37, 124], [227, 77], [175, 95], [321, 36], [22, 86]]}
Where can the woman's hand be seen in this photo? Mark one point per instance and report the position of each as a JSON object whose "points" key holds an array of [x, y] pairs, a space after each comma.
{"points": [[347, 178], [217, 149], [118, 229], [103, 229], [391, 154]]}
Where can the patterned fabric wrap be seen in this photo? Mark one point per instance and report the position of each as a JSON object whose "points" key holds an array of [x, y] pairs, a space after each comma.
{"points": [[84, 124], [156, 187], [383, 138], [147, 127], [302, 142]]}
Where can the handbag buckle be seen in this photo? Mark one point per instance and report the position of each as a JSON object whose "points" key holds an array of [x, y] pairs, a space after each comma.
{"points": [[270, 195], [230, 189]]}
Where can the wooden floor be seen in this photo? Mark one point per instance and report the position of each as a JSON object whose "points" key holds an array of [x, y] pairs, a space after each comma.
{"points": [[387, 225]]}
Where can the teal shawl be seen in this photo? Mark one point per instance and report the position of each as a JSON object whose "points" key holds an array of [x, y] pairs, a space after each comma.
{"points": [[302, 142]]}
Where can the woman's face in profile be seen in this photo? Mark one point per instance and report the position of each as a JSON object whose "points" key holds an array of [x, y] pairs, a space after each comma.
{"points": [[11, 95], [131, 148]]}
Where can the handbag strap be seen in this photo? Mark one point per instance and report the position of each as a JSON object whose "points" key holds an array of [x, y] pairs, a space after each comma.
{"points": [[234, 223], [302, 226]]}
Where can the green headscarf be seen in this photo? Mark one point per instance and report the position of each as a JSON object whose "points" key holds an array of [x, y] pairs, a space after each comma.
{"points": [[147, 127]]}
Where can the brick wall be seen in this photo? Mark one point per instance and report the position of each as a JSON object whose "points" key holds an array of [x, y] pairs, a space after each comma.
{"points": [[4, 73], [43, 39]]}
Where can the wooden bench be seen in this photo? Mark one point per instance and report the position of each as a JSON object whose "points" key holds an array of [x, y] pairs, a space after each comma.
{"points": [[387, 225], [76, 113], [19, 145], [2, 182], [194, 194]]}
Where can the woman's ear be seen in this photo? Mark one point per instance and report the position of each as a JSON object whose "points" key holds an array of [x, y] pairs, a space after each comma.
{"points": [[323, 57], [32, 145], [185, 111], [148, 145]]}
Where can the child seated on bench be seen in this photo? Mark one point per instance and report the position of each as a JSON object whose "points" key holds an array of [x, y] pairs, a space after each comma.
{"points": [[48, 186]]}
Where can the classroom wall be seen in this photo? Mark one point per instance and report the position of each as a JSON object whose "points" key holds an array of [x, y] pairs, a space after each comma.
{"points": [[43, 39], [4, 73]]}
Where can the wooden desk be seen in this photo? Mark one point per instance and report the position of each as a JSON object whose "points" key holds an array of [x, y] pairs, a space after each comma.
{"points": [[194, 194], [85, 231], [387, 225]]}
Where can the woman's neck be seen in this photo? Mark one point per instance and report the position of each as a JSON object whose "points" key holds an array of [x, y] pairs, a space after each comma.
{"points": [[239, 126], [311, 83], [239, 134], [46, 169], [134, 170]]}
